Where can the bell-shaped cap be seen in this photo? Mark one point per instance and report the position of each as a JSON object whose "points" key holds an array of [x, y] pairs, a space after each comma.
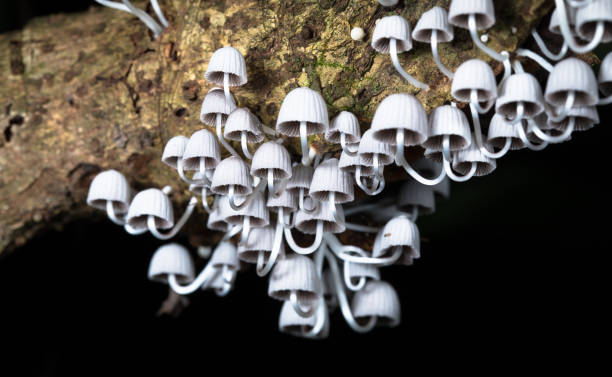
{"points": [[329, 178], [520, 88], [448, 120], [307, 222], [588, 16], [286, 200], [216, 220], [260, 240], [462, 162], [605, 75], [227, 60], [110, 185], [443, 188], [242, 120], [173, 151], [301, 178], [555, 27], [256, 210], [296, 273], [391, 27], [413, 194], [232, 171], [344, 123], [474, 74], [460, 11], [225, 254], [348, 164], [399, 232], [292, 323], [569, 75], [271, 155], [302, 105], [202, 144], [357, 271], [400, 111], [151, 202], [500, 129], [377, 299], [585, 118], [171, 259], [214, 103], [198, 182], [434, 19], [368, 146]]}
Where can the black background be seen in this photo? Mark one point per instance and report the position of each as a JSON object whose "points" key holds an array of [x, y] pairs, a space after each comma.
{"points": [[514, 269]]}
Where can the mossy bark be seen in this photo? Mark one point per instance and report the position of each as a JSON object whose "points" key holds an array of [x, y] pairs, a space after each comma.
{"points": [[80, 93]]}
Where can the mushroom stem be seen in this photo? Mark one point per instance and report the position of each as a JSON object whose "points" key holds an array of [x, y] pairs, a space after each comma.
{"points": [[110, 212], [361, 228], [400, 160], [345, 147], [567, 32], [304, 144], [446, 161], [400, 70], [204, 278], [225, 144], [555, 139], [159, 13], [177, 227], [527, 142], [535, 57], [474, 34], [307, 312], [345, 252], [144, 17], [305, 250], [478, 135], [128, 228], [180, 168], [276, 246], [436, 57], [569, 103], [301, 205], [379, 185], [542, 46], [245, 146], [332, 206], [605, 101], [205, 200], [347, 279]]}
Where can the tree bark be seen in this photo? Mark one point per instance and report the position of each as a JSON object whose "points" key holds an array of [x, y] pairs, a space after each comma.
{"points": [[85, 92]]}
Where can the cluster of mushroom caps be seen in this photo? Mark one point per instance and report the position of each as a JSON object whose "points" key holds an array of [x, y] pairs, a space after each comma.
{"points": [[263, 203]]}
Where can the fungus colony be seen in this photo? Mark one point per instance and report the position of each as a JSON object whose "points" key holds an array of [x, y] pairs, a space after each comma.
{"points": [[262, 204]]}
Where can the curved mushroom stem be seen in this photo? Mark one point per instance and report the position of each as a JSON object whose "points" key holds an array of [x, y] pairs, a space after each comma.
{"points": [[527, 142], [478, 135], [569, 103], [400, 70], [304, 143], [301, 204], [605, 101], [343, 300], [501, 57], [567, 31], [307, 312], [159, 13], [245, 145], [533, 56], [446, 161], [177, 227], [246, 230], [361, 228], [180, 168], [206, 276], [277, 189], [477, 105], [231, 195], [129, 8], [276, 247], [205, 200], [555, 139], [133, 231], [332, 206], [110, 212], [232, 232], [542, 46], [321, 320], [218, 121], [347, 279], [305, 250], [578, 3], [379, 185], [400, 160], [227, 287], [345, 146], [434, 51], [345, 252]]}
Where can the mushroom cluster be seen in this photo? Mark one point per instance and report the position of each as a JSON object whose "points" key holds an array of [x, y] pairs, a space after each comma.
{"points": [[260, 200]]}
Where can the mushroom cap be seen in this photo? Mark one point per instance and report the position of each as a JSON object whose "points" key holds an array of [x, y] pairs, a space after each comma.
{"points": [[500, 129], [520, 87], [348, 163], [586, 117], [214, 103], [286, 200], [110, 185], [232, 171], [202, 144], [216, 219], [400, 111], [344, 123], [401, 232], [256, 210], [259, 240], [225, 254], [173, 151], [474, 74], [389, 27], [359, 270], [172, 259], [460, 11], [292, 323], [302, 105], [242, 120], [588, 16], [227, 60], [377, 299], [297, 273], [151, 202], [554, 26], [368, 146], [448, 120], [605, 75], [387, 3], [301, 178], [413, 194], [329, 178], [271, 155], [307, 222], [198, 182], [462, 162], [569, 75], [434, 19]]}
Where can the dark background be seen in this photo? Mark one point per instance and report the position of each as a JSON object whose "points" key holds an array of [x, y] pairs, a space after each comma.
{"points": [[514, 269]]}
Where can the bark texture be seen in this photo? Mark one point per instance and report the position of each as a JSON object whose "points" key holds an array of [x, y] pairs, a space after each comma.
{"points": [[85, 92]]}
